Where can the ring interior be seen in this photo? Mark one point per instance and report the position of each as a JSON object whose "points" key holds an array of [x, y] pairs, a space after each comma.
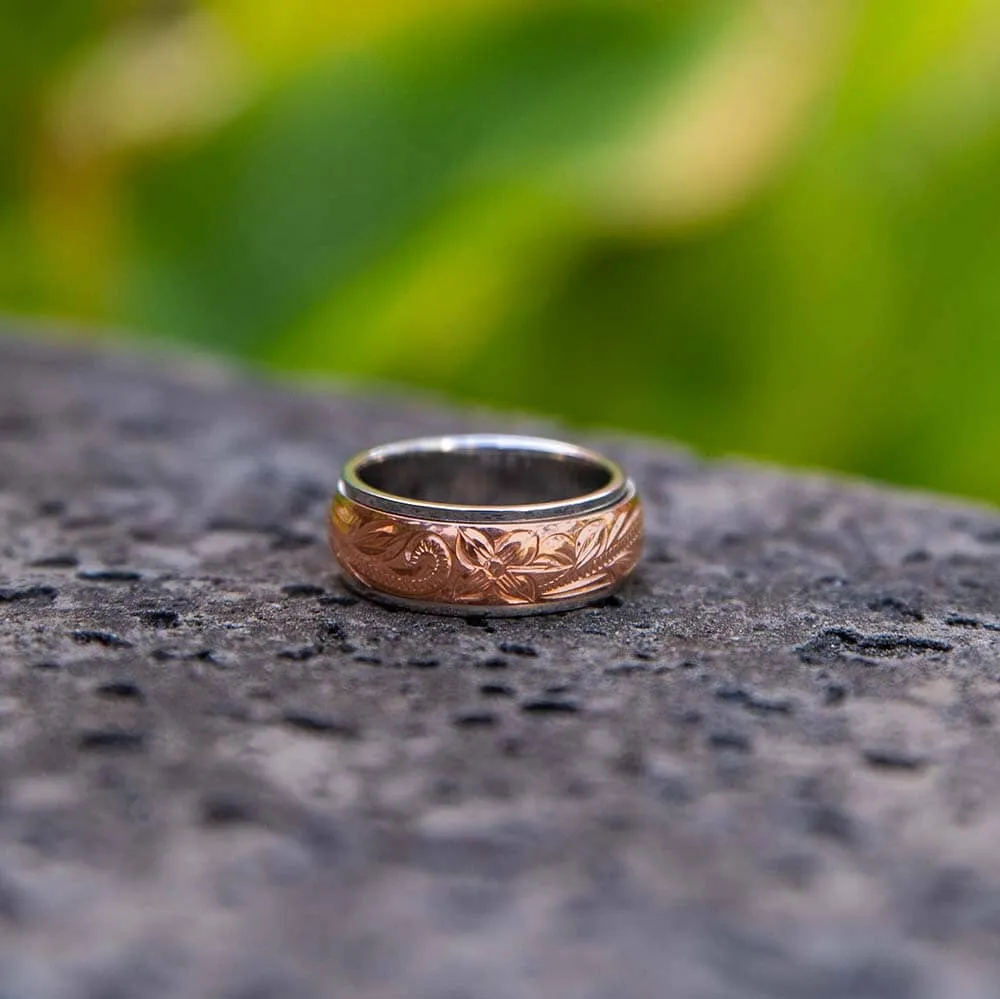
{"points": [[488, 477]]}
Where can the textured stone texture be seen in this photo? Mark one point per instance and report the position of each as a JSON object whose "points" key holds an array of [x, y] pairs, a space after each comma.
{"points": [[770, 769]]}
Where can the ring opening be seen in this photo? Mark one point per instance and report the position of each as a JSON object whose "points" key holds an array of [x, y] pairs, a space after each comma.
{"points": [[487, 477]]}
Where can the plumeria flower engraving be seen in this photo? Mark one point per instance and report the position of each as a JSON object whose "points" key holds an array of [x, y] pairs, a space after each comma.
{"points": [[505, 566]]}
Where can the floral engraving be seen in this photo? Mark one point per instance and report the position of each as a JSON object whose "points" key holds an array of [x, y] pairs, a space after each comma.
{"points": [[487, 565], [506, 568]]}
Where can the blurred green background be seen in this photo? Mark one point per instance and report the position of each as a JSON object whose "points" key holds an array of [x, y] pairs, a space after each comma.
{"points": [[764, 227]]}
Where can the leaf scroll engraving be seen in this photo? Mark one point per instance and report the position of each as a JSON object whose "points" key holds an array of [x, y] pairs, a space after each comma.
{"points": [[487, 565]]}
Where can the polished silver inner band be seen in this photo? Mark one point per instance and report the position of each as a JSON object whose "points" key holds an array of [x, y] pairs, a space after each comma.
{"points": [[484, 478]]}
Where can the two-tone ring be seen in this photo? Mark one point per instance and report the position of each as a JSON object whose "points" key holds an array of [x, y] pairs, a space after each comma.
{"points": [[485, 524]]}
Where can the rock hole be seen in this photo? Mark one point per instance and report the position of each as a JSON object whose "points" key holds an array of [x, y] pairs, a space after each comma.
{"points": [[88, 636]]}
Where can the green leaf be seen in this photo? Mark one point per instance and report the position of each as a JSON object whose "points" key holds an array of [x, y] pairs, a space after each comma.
{"points": [[244, 237]]}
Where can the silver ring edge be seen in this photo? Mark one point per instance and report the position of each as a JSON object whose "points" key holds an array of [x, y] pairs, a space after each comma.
{"points": [[478, 610]]}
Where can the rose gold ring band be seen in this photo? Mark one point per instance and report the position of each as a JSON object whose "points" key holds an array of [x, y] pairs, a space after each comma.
{"points": [[504, 527]]}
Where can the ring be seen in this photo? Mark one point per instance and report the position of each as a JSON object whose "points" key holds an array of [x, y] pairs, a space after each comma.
{"points": [[485, 524]]}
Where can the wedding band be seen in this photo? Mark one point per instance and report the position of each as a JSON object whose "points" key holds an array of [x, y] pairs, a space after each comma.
{"points": [[485, 524]]}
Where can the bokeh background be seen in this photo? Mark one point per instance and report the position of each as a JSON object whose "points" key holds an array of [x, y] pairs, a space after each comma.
{"points": [[765, 227]]}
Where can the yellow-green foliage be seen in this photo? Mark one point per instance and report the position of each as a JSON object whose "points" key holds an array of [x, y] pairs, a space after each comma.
{"points": [[770, 227]]}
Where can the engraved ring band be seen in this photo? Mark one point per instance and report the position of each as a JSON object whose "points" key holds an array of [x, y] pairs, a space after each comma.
{"points": [[485, 524]]}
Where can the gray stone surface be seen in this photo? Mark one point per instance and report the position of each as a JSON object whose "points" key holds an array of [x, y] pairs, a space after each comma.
{"points": [[770, 769]]}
